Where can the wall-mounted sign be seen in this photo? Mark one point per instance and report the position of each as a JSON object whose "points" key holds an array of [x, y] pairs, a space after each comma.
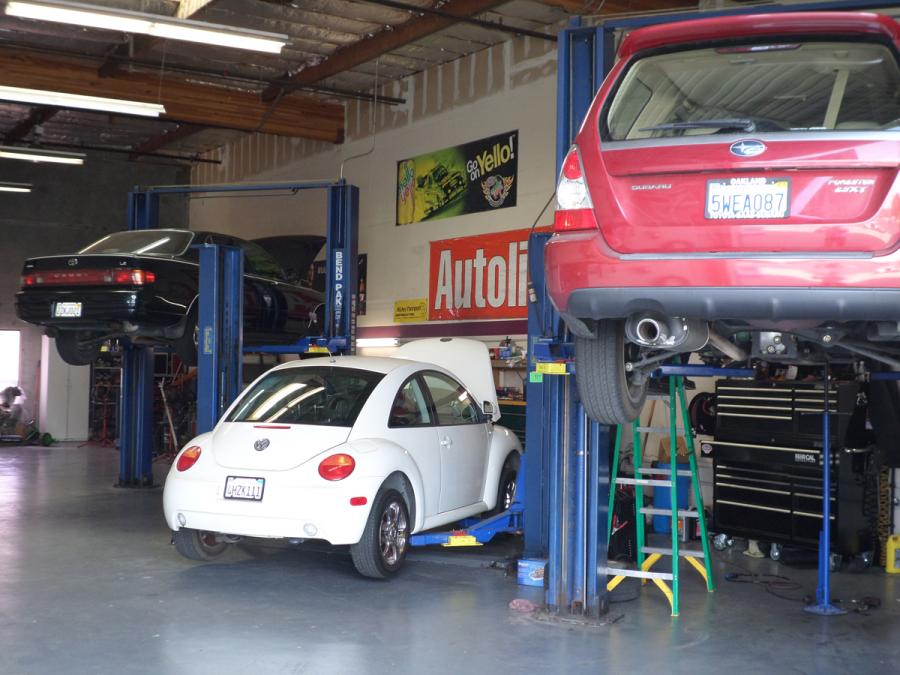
{"points": [[411, 311], [469, 178], [479, 277]]}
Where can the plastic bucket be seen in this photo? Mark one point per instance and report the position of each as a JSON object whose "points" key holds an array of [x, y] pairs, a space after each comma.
{"points": [[662, 498]]}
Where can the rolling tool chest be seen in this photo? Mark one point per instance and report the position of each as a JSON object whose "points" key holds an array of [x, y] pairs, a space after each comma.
{"points": [[768, 468]]}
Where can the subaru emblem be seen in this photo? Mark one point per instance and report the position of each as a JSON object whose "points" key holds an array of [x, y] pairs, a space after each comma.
{"points": [[72, 262], [748, 148], [261, 444]]}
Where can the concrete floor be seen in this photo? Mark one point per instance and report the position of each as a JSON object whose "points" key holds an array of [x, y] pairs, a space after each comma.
{"points": [[90, 584]]}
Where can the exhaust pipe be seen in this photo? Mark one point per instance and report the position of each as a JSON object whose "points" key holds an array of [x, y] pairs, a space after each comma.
{"points": [[727, 347], [675, 334]]}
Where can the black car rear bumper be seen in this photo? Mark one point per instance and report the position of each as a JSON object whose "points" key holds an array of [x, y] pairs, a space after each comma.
{"points": [[104, 310]]}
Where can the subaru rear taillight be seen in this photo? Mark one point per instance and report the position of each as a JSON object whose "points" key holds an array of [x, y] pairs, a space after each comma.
{"points": [[89, 277], [188, 458], [337, 467], [574, 208]]}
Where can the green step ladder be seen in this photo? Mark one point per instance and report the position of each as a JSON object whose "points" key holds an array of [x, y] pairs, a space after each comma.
{"points": [[647, 556]]}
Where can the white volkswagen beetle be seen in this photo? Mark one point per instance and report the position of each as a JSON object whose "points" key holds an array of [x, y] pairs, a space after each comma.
{"points": [[351, 450]]}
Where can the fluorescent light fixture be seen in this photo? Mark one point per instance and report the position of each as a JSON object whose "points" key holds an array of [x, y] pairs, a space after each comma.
{"points": [[63, 100], [49, 156], [157, 25], [15, 187], [377, 342]]}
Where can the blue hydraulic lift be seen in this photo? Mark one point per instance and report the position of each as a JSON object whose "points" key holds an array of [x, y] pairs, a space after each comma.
{"points": [[220, 349], [566, 467]]}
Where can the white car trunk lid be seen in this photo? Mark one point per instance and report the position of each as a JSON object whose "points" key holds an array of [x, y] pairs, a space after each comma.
{"points": [[272, 447]]}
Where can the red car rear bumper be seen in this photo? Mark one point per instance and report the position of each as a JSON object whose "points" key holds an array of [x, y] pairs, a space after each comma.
{"points": [[587, 280]]}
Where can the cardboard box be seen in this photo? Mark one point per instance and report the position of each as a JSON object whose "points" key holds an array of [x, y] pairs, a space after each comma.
{"points": [[681, 453]]}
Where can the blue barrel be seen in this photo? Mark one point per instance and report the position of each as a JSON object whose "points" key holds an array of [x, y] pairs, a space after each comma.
{"points": [[662, 500]]}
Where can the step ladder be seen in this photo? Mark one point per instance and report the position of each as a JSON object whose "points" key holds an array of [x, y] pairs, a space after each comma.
{"points": [[648, 556]]}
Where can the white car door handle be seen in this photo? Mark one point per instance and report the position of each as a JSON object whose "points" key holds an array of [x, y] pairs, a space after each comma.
{"points": [[446, 442]]}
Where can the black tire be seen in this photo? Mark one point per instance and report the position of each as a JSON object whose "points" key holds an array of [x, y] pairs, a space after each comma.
{"points": [[506, 488], [385, 541], [198, 545], [186, 346], [68, 344], [605, 389]]}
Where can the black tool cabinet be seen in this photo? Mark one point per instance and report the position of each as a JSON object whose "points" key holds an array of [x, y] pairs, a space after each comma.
{"points": [[768, 463]]}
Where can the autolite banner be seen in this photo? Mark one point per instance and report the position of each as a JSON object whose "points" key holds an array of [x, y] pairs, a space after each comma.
{"points": [[480, 277], [470, 178]]}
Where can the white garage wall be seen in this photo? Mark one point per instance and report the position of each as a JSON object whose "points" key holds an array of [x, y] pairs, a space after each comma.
{"points": [[510, 86]]}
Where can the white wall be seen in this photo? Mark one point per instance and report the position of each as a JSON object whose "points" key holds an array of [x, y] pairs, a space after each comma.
{"points": [[64, 396], [511, 86]]}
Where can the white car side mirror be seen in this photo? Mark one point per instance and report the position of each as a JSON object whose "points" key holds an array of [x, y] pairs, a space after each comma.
{"points": [[488, 408]]}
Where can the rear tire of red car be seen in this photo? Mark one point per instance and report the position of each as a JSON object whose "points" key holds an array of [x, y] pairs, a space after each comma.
{"points": [[73, 352], [607, 392]]}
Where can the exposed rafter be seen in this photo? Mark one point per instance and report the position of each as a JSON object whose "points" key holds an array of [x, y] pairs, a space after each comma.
{"points": [[141, 45], [154, 143], [598, 7], [185, 101], [380, 43], [35, 118]]}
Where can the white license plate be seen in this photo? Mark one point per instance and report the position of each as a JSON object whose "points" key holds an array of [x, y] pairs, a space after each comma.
{"points": [[242, 487], [748, 198], [72, 309]]}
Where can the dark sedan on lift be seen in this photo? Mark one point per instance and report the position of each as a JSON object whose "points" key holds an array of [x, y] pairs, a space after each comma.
{"points": [[143, 285]]}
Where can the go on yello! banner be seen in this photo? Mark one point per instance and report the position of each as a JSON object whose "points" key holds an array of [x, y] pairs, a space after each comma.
{"points": [[470, 178], [480, 277]]}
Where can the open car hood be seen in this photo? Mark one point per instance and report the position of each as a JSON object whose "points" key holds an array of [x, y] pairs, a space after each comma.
{"points": [[468, 360]]}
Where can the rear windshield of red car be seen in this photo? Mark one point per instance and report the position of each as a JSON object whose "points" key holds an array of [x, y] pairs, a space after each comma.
{"points": [[796, 86], [143, 242], [318, 395]]}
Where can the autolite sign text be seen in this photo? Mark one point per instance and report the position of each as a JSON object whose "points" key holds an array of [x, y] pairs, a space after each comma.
{"points": [[479, 277]]}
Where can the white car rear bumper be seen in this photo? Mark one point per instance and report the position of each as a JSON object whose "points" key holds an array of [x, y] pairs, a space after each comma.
{"points": [[287, 510]]}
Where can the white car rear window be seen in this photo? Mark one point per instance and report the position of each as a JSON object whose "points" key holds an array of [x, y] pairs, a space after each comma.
{"points": [[317, 395]]}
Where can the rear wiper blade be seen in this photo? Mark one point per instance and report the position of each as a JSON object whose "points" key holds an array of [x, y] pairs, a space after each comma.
{"points": [[734, 123]]}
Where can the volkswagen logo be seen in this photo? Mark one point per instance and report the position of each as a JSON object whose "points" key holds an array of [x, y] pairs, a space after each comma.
{"points": [[748, 148], [261, 444], [72, 262]]}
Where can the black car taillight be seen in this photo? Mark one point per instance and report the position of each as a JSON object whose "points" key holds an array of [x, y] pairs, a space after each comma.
{"points": [[116, 277]]}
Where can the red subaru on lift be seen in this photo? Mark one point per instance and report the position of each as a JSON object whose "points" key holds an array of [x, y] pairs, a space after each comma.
{"points": [[734, 191]]}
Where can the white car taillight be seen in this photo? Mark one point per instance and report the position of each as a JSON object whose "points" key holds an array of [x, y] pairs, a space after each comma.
{"points": [[574, 208]]}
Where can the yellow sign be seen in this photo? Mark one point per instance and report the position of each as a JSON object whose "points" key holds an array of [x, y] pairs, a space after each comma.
{"points": [[411, 311], [551, 368]]}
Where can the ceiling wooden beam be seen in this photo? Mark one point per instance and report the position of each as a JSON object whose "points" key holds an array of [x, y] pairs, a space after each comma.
{"points": [[154, 143], [185, 101], [35, 118], [380, 43]]}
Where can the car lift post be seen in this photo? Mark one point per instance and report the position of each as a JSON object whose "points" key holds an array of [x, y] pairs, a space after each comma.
{"points": [[219, 353], [221, 320]]}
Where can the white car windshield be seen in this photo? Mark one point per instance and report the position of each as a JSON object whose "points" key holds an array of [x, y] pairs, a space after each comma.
{"points": [[317, 395], [790, 87]]}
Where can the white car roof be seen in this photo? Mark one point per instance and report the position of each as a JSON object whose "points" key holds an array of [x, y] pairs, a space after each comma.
{"points": [[378, 364]]}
